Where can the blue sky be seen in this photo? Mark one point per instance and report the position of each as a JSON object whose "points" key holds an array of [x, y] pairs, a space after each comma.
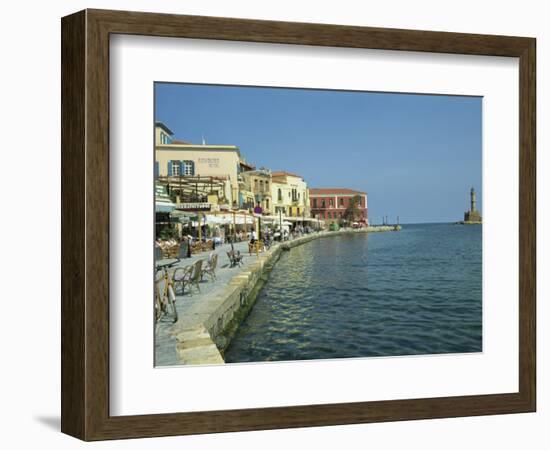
{"points": [[415, 155]]}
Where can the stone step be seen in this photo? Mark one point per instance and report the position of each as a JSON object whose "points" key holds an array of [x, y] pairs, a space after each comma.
{"points": [[195, 347]]}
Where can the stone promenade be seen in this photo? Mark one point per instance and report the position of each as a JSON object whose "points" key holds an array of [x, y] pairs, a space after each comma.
{"points": [[193, 311]]}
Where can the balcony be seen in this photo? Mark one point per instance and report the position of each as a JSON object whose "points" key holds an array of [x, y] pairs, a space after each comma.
{"points": [[247, 205]]}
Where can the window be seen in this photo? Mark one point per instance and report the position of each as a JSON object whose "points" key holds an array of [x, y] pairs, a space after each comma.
{"points": [[176, 168], [188, 168], [256, 184], [341, 200], [330, 202], [181, 168], [315, 203], [267, 185], [279, 195], [323, 204], [266, 203]]}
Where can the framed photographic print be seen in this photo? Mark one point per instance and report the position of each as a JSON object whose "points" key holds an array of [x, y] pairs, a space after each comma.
{"points": [[272, 225]]}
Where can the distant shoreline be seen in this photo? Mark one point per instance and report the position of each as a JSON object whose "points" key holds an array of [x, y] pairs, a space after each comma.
{"points": [[451, 222]]}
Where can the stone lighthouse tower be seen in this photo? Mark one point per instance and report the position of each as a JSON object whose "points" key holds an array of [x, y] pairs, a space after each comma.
{"points": [[472, 216]]}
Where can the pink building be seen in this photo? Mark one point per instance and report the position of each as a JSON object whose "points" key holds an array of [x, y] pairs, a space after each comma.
{"points": [[330, 204]]}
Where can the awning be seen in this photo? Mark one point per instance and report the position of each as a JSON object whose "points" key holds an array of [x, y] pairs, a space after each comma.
{"points": [[218, 220], [272, 219], [303, 219], [241, 220], [164, 207], [183, 217]]}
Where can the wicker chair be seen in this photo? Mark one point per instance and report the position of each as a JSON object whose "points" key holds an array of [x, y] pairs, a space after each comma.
{"points": [[182, 275], [196, 275], [235, 258], [210, 266], [256, 246]]}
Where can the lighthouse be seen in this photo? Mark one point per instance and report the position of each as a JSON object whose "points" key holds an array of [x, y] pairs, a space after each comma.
{"points": [[472, 200], [472, 216]]}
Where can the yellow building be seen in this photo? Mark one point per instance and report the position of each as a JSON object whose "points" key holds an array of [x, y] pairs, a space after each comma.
{"points": [[259, 183], [175, 158], [290, 194], [246, 196]]}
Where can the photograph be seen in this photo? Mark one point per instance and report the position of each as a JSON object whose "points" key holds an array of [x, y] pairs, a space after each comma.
{"points": [[308, 224]]}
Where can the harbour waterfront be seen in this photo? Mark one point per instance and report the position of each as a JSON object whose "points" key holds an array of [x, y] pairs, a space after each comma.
{"points": [[358, 295], [231, 207], [208, 319]]}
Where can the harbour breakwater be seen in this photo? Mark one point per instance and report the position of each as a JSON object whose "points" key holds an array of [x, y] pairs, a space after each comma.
{"points": [[206, 331]]}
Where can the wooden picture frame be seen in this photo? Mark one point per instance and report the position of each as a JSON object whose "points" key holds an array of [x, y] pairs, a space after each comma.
{"points": [[85, 224]]}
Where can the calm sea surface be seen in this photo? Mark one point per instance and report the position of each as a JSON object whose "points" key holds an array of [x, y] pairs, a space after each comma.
{"points": [[417, 291]]}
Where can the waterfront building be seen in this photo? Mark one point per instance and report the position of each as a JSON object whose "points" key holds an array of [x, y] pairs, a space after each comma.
{"points": [[338, 205], [290, 196], [246, 196], [198, 171], [259, 183], [472, 216]]}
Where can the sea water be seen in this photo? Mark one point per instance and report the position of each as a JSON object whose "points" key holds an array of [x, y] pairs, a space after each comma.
{"points": [[413, 292]]}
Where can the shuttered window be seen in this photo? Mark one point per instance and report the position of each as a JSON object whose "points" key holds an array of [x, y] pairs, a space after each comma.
{"points": [[181, 168], [174, 168], [188, 168]]}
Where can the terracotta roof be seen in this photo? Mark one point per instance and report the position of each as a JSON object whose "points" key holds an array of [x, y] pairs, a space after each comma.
{"points": [[178, 142], [333, 191], [282, 173]]}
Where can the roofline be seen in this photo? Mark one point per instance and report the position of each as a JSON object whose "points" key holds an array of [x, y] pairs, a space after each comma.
{"points": [[354, 192], [258, 171], [198, 147], [162, 125], [246, 164], [279, 174]]}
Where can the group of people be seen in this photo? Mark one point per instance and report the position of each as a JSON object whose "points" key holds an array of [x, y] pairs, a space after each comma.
{"points": [[301, 229], [268, 235]]}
